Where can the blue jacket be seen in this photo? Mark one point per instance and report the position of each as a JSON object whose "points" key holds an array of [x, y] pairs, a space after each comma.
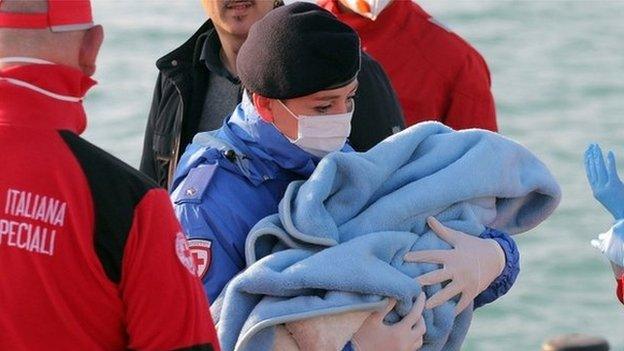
{"points": [[229, 179]]}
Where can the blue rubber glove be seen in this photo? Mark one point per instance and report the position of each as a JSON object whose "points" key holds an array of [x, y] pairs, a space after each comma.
{"points": [[605, 183], [611, 244]]}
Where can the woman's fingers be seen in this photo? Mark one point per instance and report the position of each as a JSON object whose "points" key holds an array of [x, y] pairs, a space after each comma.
{"points": [[429, 256], [416, 313], [443, 295], [419, 331], [445, 233], [464, 302], [435, 277]]}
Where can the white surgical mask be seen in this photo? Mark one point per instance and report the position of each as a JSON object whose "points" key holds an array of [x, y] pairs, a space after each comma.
{"points": [[322, 134], [23, 84], [368, 8]]}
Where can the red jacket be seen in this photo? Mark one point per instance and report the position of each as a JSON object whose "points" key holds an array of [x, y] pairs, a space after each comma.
{"points": [[620, 289], [91, 255], [437, 75]]}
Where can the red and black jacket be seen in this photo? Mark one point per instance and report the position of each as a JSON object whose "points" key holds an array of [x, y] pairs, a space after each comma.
{"points": [[91, 255]]}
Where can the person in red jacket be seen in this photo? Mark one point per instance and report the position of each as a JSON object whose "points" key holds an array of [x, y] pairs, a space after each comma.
{"points": [[437, 75], [91, 255]]}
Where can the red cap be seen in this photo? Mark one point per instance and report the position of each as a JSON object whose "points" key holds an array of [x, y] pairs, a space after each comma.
{"points": [[62, 16]]}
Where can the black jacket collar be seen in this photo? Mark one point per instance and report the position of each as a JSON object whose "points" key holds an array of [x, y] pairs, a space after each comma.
{"points": [[185, 56]]}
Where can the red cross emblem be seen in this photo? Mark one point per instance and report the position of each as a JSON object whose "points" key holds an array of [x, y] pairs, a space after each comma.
{"points": [[201, 249]]}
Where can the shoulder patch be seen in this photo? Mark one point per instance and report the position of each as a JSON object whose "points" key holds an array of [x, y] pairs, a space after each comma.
{"points": [[195, 184], [201, 249], [184, 253]]}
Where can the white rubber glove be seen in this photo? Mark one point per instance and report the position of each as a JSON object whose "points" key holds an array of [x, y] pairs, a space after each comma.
{"points": [[611, 244], [406, 335], [471, 266]]}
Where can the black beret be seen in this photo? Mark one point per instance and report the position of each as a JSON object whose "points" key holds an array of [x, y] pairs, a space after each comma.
{"points": [[298, 50]]}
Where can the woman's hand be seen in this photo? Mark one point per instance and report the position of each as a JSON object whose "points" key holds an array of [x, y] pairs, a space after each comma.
{"points": [[406, 335], [471, 265]]}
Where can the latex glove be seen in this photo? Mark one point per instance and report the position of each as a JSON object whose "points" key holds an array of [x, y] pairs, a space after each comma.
{"points": [[406, 335], [611, 244], [471, 266], [604, 181]]}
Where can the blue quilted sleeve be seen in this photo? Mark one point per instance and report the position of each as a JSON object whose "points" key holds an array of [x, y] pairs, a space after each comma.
{"points": [[504, 282]]}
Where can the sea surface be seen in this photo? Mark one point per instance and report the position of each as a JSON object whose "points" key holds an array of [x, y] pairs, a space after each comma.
{"points": [[558, 80]]}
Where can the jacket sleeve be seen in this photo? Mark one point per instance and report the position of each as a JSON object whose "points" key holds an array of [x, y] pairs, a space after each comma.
{"points": [[206, 226], [501, 285], [377, 112], [148, 162], [166, 308], [472, 103]]}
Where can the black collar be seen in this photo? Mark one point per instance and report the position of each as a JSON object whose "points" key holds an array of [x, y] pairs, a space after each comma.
{"points": [[186, 55], [211, 56]]}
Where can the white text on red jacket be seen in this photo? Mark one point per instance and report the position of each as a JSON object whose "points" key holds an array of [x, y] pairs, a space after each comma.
{"points": [[30, 221]]}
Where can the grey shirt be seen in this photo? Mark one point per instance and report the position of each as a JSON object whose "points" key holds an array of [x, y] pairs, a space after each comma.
{"points": [[224, 90]]}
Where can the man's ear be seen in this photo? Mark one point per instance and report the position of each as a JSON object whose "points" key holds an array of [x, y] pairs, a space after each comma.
{"points": [[263, 106], [89, 49]]}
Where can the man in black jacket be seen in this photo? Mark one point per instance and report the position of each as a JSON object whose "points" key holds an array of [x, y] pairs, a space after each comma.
{"points": [[198, 87]]}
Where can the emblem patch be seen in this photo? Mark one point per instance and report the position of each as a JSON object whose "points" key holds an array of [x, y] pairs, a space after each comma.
{"points": [[184, 253], [201, 249]]}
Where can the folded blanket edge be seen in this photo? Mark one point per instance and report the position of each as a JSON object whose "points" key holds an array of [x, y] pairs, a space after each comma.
{"points": [[266, 323]]}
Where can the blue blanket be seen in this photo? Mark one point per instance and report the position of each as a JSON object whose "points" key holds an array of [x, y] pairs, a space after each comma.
{"points": [[338, 241]]}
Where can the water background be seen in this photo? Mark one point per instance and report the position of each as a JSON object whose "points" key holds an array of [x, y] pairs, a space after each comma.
{"points": [[558, 80]]}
